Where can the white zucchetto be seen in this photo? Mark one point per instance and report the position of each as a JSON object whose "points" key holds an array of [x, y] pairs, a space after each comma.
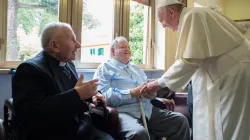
{"points": [[163, 3]]}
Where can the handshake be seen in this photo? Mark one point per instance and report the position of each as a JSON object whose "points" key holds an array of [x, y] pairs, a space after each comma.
{"points": [[88, 89], [148, 90]]}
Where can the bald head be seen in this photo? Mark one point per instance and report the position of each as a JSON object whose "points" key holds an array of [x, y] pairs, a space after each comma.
{"points": [[59, 41], [50, 31]]}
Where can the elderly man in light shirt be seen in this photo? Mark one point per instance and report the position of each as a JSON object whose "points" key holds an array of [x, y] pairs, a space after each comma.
{"points": [[213, 52], [120, 82]]}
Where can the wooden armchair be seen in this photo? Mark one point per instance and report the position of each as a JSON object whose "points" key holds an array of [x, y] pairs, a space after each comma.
{"points": [[110, 126], [8, 131], [179, 98], [2, 131]]}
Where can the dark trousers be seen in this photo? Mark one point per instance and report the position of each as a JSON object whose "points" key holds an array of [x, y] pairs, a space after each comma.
{"points": [[190, 100]]}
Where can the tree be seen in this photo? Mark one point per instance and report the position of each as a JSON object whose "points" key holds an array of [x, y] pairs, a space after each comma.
{"points": [[136, 32], [88, 21], [21, 14]]}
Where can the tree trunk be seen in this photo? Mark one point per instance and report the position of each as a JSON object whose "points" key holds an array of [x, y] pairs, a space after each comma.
{"points": [[12, 43]]}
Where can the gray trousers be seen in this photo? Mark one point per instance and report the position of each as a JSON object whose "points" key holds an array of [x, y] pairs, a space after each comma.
{"points": [[163, 123]]}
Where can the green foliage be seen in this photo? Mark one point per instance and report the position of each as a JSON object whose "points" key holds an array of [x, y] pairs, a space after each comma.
{"points": [[11, 44], [32, 16], [88, 21], [136, 33], [27, 53], [46, 17], [28, 1], [26, 19], [51, 6], [46, 12]]}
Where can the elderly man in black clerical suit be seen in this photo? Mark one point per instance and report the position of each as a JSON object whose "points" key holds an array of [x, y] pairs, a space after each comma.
{"points": [[49, 99]]}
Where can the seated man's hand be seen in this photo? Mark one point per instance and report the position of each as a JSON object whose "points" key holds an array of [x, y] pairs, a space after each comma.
{"points": [[86, 89], [169, 104], [99, 96], [136, 91], [150, 87]]}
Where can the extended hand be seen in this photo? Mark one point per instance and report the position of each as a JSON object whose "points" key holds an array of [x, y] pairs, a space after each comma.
{"points": [[86, 89], [150, 87]]}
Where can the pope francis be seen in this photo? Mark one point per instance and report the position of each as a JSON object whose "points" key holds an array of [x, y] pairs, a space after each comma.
{"points": [[213, 52]]}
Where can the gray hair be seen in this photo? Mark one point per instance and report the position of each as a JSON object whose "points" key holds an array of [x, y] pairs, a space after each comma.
{"points": [[49, 31], [117, 41]]}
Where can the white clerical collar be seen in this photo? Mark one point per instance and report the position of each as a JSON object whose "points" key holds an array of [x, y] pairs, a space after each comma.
{"points": [[62, 64], [183, 13]]}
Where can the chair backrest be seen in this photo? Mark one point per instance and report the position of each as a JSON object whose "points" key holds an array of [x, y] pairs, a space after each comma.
{"points": [[12, 72], [9, 112]]}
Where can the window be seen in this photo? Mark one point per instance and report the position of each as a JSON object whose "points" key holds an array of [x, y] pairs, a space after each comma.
{"points": [[23, 20], [100, 51], [97, 28], [138, 31], [92, 51], [26, 19]]}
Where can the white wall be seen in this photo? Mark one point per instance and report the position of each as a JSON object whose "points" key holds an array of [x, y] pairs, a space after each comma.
{"points": [[237, 9]]}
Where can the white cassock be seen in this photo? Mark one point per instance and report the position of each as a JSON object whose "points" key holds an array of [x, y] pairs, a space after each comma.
{"points": [[247, 34], [215, 55]]}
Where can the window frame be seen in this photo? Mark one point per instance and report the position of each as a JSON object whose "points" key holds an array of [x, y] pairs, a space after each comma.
{"points": [[64, 14], [121, 28], [151, 34], [68, 8]]}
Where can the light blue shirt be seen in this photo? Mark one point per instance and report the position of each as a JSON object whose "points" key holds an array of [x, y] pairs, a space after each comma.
{"points": [[115, 81]]}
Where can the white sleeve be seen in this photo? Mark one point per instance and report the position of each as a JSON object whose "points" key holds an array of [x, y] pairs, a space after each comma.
{"points": [[179, 73], [247, 34]]}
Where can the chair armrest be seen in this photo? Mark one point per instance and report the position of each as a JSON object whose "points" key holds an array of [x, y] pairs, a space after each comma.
{"points": [[8, 115], [9, 104], [181, 98], [113, 122], [181, 104], [111, 125], [2, 131], [163, 93], [113, 114], [158, 102], [8, 111]]}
